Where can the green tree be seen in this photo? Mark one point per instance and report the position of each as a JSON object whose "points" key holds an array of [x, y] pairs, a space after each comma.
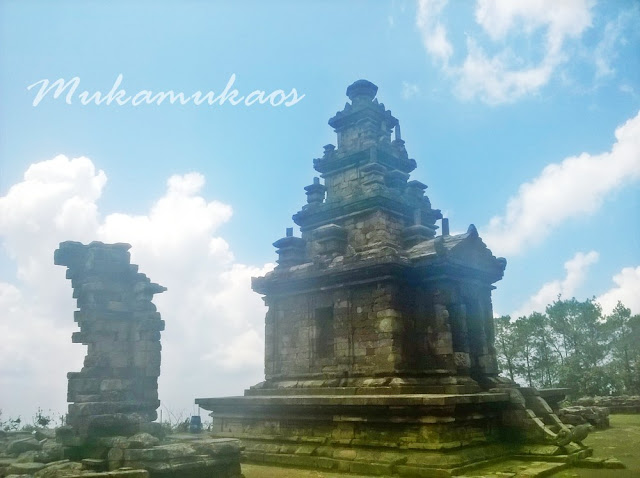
{"points": [[545, 360], [526, 349], [583, 339], [507, 345], [526, 362], [624, 331], [572, 345]]}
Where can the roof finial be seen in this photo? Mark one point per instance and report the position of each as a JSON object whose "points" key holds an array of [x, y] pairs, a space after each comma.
{"points": [[362, 90]]}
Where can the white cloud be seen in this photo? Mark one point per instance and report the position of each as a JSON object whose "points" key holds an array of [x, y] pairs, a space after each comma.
{"points": [[627, 291], [434, 34], [493, 81], [208, 306], [575, 187], [613, 38], [244, 350], [56, 198], [506, 75], [604, 52], [628, 89], [576, 269], [561, 19], [396, 8], [409, 90]]}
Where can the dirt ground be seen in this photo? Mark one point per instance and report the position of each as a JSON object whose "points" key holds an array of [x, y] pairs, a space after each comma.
{"points": [[621, 441]]}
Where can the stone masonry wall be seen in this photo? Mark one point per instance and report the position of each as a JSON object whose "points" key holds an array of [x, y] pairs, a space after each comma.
{"points": [[117, 389], [368, 327], [374, 228]]}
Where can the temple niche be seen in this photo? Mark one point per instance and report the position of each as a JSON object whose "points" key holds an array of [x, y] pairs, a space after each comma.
{"points": [[379, 354]]}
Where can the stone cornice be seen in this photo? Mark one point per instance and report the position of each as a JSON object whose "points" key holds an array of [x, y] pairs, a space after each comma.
{"points": [[333, 163], [327, 213]]}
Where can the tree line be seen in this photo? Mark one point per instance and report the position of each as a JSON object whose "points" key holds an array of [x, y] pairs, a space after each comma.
{"points": [[574, 345]]}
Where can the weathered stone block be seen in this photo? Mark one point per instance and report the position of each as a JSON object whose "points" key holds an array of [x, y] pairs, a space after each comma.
{"points": [[55, 470], [21, 445], [25, 468], [142, 440]]}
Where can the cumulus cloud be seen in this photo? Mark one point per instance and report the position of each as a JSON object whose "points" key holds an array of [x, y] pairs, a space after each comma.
{"points": [[576, 269], [626, 290], [505, 75], [56, 197], [208, 306], [434, 34], [575, 187]]}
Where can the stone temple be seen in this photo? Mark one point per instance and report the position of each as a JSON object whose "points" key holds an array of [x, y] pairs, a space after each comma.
{"points": [[379, 355]]}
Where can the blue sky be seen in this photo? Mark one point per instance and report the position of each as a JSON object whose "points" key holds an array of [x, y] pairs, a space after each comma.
{"points": [[509, 108]]}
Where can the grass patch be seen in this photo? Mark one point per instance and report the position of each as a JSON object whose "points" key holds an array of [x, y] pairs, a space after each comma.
{"points": [[621, 441]]}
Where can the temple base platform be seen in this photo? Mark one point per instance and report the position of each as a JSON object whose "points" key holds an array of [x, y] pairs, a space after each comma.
{"points": [[378, 432]]}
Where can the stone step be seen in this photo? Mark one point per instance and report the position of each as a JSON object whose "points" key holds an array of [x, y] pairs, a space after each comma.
{"points": [[512, 468]]}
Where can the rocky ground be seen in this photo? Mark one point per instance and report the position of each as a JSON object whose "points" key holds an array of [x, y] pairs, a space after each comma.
{"points": [[619, 404], [39, 455]]}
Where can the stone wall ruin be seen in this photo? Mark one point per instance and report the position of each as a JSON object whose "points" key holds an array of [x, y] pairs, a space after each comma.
{"points": [[117, 389]]}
